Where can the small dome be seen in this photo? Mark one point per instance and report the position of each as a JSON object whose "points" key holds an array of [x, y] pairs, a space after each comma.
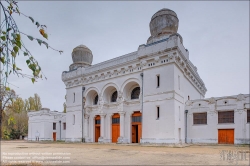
{"points": [[165, 21], [82, 55]]}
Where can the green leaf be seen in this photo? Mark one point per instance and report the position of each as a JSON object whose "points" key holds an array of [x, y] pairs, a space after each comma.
{"points": [[33, 80], [3, 38], [2, 59], [37, 24], [25, 53], [45, 35], [14, 66], [39, 41], [30, 37], [46, 44], [18, 37], [7, 88], [18, 68], [16, 49], [4, 32], [19, 44], [27, 61], [8, 29], [13, 54], [31, 19]]}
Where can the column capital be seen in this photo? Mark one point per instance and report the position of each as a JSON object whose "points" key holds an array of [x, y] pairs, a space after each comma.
{"points": [[122, 113], [102, 115]]}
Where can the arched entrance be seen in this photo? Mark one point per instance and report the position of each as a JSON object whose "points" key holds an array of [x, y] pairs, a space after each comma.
{"points": [[115, 127], [97, 127], [136, 127]]}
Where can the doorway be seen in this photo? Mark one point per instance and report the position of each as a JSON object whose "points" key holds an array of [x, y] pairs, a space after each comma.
{"points": [[54, 136], [115, 127], [136, 127], [226, 136], [97, 127]]}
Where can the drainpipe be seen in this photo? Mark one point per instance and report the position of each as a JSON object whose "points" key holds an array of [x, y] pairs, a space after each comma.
{"points": [[83, 89], [142, 100], [60, 129], [186, 112]]}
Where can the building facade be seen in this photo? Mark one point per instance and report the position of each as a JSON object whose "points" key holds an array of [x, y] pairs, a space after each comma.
{"points": [[137, 97], [152, 95], [46, 125]]}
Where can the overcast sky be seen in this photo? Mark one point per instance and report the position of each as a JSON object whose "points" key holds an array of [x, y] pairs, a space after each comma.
{"points": [[215, 33]]}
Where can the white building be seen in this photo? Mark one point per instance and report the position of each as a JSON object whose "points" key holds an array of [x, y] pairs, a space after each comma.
{"points": [[152, 95], [46, 125]]}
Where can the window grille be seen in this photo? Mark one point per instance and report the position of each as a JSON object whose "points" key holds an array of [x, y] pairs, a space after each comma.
{"points": [[200, 118], [226, 117], [115, 120], [136, 118], [54, 126], [98, 121]]}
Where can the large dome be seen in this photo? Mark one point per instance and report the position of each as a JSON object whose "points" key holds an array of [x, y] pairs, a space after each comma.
{"points": [[165, 21], [81, 56]]}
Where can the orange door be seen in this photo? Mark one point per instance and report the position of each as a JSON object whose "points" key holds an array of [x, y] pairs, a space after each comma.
{"points": [[134, 133], [226, 136], [115, 127], [97, 133], [97, 127], [54, 136], [139, 133], [136, 127]]}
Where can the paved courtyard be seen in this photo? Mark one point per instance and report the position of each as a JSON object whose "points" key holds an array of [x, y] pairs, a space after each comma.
{"points": [[59, 153]]}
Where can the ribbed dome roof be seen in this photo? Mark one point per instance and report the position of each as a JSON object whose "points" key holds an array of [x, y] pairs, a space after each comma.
{"points": [[82, 54], [165, 21]]}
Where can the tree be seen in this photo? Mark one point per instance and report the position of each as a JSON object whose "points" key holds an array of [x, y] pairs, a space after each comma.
{"points": [[11, 45], [33, 103]]}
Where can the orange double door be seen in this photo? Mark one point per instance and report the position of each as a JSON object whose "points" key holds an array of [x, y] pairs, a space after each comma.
{"points": [[226, 136], [97, 128], [54, 136]]}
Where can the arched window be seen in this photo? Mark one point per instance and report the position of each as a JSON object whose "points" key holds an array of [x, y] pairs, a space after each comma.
{"points": [[96, 100], [135, 93], [114, 97]]}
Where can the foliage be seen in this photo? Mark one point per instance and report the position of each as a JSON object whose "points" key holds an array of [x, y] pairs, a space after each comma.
{"points": [[15, 118], [12, 45]]}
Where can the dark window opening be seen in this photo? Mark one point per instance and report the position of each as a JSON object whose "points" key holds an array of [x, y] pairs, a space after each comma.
{"points": [[64, 126], [158, 81], [96, 100], [114, 97], [136, 118], [200, 118], [115, 120], [54, 126], [188, 98], [158, 112], [98, 121], [226, 117], [135, 93]]}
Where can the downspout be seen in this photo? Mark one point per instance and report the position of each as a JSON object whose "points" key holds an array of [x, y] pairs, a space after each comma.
{"points": [[142, 101], [60, 130], [186, 112], [83, 89]]}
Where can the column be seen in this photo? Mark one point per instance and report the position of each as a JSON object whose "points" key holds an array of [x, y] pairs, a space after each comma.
{"points": [[86, 126], [102, 125], [122, 123]]}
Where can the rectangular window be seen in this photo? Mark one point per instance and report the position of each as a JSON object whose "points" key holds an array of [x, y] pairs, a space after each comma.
{"points": [[158, 112], [64, 126], [200, 118], [74, 118], [179, 82], [98, 121], [115, 120], [54, 126], [226, 117], [158, 81], [136, 118], [248, 116]]}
